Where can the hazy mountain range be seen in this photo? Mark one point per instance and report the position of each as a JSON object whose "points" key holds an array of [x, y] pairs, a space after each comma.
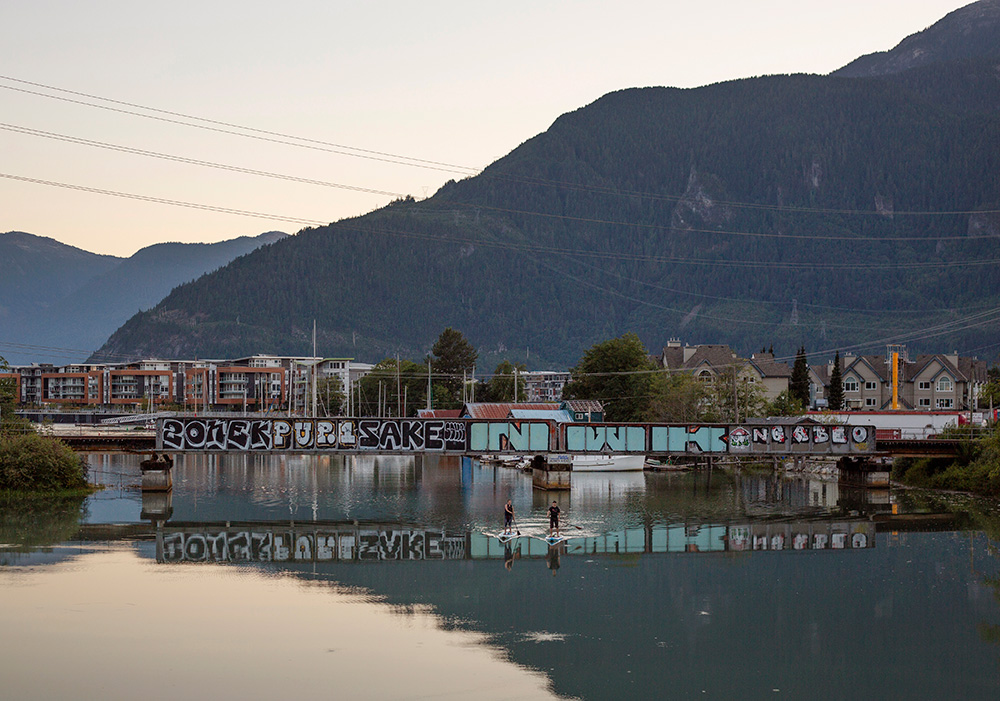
{"points": [[67, 301], [832, 211]]}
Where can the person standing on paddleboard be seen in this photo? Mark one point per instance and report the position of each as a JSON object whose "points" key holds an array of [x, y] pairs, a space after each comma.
{"points": [[554, 519], [508, 517]]}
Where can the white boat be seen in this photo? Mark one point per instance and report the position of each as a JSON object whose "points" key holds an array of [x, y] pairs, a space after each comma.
{"points": [[608, 463]]}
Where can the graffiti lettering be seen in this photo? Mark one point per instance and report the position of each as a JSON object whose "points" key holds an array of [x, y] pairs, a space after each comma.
{"points": [[482, 436]]}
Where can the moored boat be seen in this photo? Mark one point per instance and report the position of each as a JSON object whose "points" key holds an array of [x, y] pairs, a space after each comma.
{"points": [[608, 463]]}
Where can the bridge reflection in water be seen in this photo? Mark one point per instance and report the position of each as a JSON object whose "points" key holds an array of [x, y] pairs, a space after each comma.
{"points": [[292, 542]]}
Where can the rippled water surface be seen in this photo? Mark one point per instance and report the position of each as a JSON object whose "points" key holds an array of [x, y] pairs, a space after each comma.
{"points": [[373, 578]]}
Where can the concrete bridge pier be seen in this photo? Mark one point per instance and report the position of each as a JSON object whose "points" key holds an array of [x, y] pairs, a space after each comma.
{"points": [[156, 473], [862, 472], [551, 471]]}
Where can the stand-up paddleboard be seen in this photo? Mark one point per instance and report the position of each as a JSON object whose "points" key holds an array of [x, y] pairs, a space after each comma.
{"points": [[503, 537]]}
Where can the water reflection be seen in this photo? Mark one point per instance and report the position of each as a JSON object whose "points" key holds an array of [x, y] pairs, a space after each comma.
{"points": [[676, 585]]}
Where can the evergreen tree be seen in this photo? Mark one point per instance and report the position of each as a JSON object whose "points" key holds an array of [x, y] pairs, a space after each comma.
{"points": [[836, 394], [454, 358], [799, 386]]}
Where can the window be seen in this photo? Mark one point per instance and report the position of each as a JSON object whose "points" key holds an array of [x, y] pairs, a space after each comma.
{"points": [[869, 401], [870, 385], [944, 403], [944, 384], [923, 384], [924, 401], [851, 384]]}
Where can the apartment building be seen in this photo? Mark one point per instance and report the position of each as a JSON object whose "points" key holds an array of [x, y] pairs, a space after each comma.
{"points": [[544, 385], [257, 383]]}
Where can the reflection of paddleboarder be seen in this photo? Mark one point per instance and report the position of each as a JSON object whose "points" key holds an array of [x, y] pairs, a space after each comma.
{"points": [[554, 519], [509, 554], [508, 517], [552, 558]]}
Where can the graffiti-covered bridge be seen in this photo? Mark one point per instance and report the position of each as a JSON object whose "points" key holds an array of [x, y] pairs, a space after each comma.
{"points": [[477, 437]]}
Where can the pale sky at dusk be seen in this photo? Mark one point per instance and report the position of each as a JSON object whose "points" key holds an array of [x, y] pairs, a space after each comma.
{"points": [[452, 82]]}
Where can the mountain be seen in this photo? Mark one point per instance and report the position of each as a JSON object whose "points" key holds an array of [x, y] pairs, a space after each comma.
{"points": [[968, 32], [38, 271], [827, 211], [64, 298]]}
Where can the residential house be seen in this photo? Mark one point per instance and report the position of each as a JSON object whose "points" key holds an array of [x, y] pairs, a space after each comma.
{"points": [[931, 382]]}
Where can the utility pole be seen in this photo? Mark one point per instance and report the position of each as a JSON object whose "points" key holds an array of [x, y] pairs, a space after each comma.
{"points": [[736, 396], [314, 368], [428, 384], [399, 396]]}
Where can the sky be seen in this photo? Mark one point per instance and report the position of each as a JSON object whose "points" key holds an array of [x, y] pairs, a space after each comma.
{"points": [[395, 98]]}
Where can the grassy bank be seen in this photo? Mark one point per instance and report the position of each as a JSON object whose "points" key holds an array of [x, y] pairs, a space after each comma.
{"points": [[975, 470]]}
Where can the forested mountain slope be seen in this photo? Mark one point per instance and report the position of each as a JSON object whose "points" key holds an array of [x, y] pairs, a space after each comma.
{"points": [[786, 210]]}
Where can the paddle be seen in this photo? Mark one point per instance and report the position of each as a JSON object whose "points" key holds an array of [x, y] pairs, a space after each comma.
{"points": [[518, 530]]}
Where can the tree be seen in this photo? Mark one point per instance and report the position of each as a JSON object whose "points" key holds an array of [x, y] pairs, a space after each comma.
{"points": [[679, 397], [500, 387], [619, 374], [733, 397], [388, 390], [454, 359], [784, 405], [989, 394], [799, 386], [835, 397], [10, 422]]}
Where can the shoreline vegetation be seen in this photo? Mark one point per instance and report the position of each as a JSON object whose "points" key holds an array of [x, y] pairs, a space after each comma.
{"points": [[976, 470], [34, 464]]}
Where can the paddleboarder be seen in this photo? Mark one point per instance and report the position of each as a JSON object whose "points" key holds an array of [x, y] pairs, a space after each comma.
{"points": [[554, 519], [508, 517]]}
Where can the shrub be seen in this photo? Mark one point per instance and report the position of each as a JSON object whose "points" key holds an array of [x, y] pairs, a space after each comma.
{"points": [[33, 463]]}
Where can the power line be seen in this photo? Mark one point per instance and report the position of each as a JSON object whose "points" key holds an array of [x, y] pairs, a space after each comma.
{"points": [[524, 247], [737, 300], [341, 149], [259, 134], [160, 200], [191, 161], [28, 131]]}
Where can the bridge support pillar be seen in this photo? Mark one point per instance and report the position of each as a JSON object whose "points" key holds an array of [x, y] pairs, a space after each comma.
{"points": [[551, 471], [156, 474], [862, 472]]}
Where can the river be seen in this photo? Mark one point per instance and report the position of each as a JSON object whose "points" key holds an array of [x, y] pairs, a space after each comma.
{"points": [[372, 578]]}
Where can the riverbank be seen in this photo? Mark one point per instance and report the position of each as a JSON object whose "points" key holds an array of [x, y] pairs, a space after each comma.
{"points": [[976, 470]]}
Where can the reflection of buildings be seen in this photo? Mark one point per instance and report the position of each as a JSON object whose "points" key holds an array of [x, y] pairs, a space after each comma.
{"points": [[775, 493]]}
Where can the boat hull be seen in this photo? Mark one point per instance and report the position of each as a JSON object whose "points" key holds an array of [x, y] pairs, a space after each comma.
{"points": [[608, 463]]}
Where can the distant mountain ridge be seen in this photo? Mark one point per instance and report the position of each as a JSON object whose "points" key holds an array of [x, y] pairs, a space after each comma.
{"points": [[968, 32], [63, 297], [828, 211]]}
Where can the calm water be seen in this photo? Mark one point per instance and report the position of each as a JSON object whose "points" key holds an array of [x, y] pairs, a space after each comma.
{"points": [[268, 577]]}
